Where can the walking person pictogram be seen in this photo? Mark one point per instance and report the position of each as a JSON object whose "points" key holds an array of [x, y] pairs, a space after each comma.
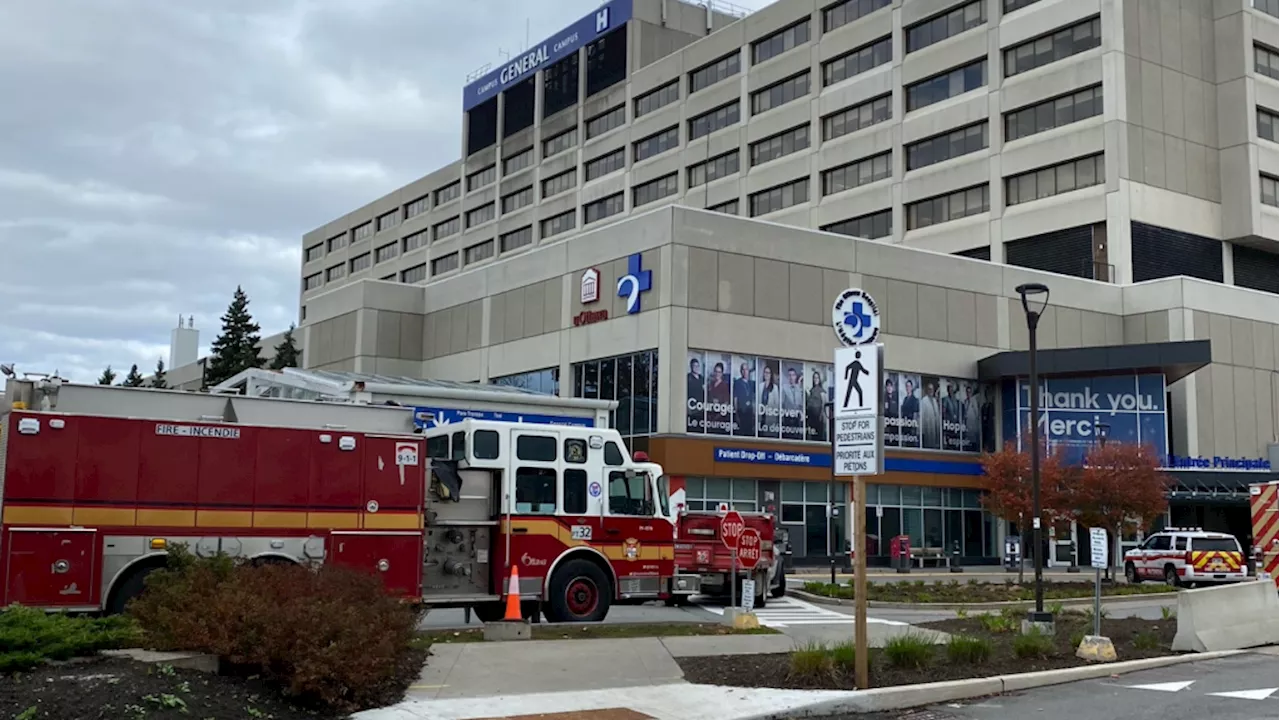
{"points": [[853, 373]]}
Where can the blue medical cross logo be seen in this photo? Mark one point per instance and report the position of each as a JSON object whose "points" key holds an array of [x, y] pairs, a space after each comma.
{"points": [[636, 281], [858, 318]]}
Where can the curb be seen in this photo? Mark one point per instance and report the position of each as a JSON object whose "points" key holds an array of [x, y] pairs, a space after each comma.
{"points": [[911, 696], [1016, 604]]}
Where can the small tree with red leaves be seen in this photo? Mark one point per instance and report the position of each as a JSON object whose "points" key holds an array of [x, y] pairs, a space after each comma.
{"points": [[1009, 485], [1120, 487]]}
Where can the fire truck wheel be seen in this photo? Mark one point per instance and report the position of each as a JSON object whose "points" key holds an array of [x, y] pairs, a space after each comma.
{"points": [[580, 592], [1131, 574], [129, 588], [781, 588]]}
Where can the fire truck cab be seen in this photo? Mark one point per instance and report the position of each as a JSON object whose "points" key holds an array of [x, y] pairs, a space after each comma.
{"points": [[582, 523]]}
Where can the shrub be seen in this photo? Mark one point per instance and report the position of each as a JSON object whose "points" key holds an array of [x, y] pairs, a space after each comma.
{"points": [[331, 635], [811, 661], [1077, 637], [1168, 613], [968, 649], [908, 651], [1146, 640], [1056, 609], [1033, 644], [996, 623], [29, 637], [843, 656]]}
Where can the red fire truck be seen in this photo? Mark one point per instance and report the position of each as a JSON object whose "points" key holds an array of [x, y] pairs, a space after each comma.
{"points": [[99, 481], [1266, 541]]}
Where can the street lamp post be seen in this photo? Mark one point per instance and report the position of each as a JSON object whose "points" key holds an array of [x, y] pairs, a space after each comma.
{"points": [[1035, 298], [1100, 431]]}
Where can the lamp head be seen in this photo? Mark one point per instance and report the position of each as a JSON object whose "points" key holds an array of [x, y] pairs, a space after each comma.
{"points": [[1102, 429], [1035, 298]]}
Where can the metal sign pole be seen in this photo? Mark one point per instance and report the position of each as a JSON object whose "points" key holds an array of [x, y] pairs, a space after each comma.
{"points": [[1097, 601], [861, 678], [733, 578]]}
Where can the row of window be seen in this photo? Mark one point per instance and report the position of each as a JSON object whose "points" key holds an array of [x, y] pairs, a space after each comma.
{"points": [[1266, 61]]}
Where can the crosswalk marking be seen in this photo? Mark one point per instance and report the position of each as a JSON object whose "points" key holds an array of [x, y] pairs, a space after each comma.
{"points": [[1259, 694], [787, 611]]}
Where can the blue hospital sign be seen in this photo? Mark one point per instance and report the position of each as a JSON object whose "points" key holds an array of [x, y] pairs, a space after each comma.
{"points": [[1074, 410], [855, 317], [636, 281]]}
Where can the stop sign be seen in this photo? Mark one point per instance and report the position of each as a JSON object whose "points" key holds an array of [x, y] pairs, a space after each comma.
{"points": [[749, 547], [731, 527]]}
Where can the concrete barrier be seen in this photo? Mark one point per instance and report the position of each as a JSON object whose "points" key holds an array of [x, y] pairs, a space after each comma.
{"points": [[1228, 617]]}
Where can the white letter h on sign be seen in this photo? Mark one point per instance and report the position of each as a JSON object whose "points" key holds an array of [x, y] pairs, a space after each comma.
{"points": [[602, 20]]}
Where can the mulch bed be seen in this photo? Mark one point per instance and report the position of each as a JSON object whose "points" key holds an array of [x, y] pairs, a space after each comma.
{"points": [[955, 591], [119, 689], [774, 670]]}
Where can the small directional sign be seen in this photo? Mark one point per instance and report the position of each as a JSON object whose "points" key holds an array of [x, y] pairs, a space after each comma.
{"points": [[858, 439]]}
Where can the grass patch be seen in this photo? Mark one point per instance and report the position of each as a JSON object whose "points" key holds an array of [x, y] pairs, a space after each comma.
{"points": [[918, 591], [968, 649], [910, 651], [812, 661], [30, 637], [1033, 645], [594, 631], [1146, 640]]}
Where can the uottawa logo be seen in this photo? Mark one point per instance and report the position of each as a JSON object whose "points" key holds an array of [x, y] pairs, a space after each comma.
{"points": [[529, 561]]}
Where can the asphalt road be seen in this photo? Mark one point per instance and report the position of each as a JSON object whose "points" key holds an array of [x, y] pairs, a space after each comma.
{"points": [[1243, 687]]}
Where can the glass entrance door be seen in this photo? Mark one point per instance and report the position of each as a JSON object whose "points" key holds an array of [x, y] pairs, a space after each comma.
{"points": [[815, 531]]}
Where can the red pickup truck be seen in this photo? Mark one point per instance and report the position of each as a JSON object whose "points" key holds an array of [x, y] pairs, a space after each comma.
{"points": [[700, 550]]}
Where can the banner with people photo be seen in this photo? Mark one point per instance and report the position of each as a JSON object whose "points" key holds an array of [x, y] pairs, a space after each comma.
{"points": [[932, 412], [757, 397]]}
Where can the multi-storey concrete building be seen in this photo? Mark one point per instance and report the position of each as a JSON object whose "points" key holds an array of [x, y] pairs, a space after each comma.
{"points": [[1122, 140], [1122, 152]]}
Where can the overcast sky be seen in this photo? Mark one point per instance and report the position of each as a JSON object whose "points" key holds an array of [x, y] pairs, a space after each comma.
{"points": [[154, 154]]}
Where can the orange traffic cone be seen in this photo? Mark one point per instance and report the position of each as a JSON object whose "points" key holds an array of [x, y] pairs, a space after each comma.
{"points": [[513, 597]]}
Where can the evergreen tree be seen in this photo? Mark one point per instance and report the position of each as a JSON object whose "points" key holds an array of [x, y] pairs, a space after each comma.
{"points": [[236, 348], [287, 353], [134, 378], [158, 380], [107, 377]]}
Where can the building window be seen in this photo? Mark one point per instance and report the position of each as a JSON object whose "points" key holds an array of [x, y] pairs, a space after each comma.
{"points": [[659, 98], [944, 519], [388, 220], [952, 83], [782, 144], [388, 278], [777, 198], [875, 225], [390, 251], [515, 239], [708, 493], [362, 233], [657, 143], [717, 119], [725, 208], [564, 222], [415, 241], [952, 206], [1270, 7], [1267, 195], [857, 61], [846, 12], [606, 121], [337, 242], [482, 214], [946, 146], [557, 184], [444, 264], [480, 178], [780, 42], [543, 382], [415, 274], [603, 208], [335, 272], [866, 114], [315, 252], [654, 190], [631, 380], [311, 282], [1053, 113], [1011, 5], [361, 262], [605, 164], [1266, 61], [560, 85], [948, 24], [517, 162], [1267, 121], [559, 143], [415, 208], [478, 252], [1054, 180], [713, 169], [445, 229], [714, 72], [780, 93], [1053, 47], [857, 174], [517, 200], [449, 192]]}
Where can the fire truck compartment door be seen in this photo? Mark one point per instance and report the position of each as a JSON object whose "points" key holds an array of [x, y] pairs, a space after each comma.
{"points": [[395, 557], [50, 568]]}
